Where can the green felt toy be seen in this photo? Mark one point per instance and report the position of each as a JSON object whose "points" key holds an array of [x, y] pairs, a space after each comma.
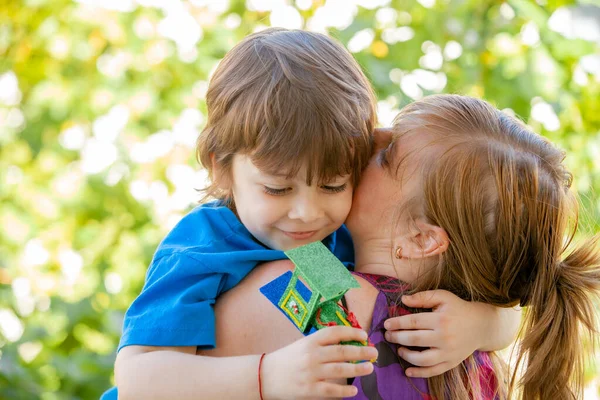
{"points": [[328, 280]]}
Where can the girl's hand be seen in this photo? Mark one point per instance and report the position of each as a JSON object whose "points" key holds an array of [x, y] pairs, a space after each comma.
{"points": [[306, 368], [453, 331]]}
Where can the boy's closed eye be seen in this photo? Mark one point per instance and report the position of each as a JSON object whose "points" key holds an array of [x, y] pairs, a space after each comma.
{"points": [[332, 189], [335, 189], [276, 191], [338, 185]]}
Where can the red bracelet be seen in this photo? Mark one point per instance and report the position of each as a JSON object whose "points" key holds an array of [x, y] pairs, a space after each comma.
{"points": [[259, 381]]}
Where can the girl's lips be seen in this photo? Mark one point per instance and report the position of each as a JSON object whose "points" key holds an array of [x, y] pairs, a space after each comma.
{"points": [[300, 235]]}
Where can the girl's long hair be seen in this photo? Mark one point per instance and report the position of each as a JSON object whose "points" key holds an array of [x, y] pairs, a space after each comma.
{"points": [[504, 197]]}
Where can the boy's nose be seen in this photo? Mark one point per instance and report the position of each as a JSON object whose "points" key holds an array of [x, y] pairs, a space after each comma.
{"points": [[306, 208]]}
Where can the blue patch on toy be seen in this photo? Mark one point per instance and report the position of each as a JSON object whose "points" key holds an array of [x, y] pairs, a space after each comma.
{"points": [[275, 289]]}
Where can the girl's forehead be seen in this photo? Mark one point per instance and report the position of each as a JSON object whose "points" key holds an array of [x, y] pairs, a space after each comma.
{"points": [[416, 144], [411, 151]]}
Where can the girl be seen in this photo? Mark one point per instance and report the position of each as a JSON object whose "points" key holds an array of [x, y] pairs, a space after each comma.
{"points": [[466, 199]]}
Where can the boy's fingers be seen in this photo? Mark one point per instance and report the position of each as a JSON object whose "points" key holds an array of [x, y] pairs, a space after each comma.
{"points": [[334, 390], [413, 338], [426, 299], [344, 370], [346, 352], [428, 372], [337, 334], [425, 358], [424, 320]]}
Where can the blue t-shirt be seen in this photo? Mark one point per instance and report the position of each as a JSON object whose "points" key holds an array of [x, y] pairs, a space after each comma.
{"points": [[207, 253]]}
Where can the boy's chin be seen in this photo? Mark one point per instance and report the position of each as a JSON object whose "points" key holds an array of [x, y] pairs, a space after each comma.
{"points": [[292, 244]]}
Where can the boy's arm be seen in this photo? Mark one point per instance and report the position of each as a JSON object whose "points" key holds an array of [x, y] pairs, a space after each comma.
{"points": [[247, 323], [175, 307], [315, 366], [177, 372], [453, 331], [143, 372]]}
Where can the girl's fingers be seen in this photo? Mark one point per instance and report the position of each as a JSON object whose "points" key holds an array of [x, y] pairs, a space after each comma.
{"points": [[346, 352], [413, 338], [428, 372], [426, 358], [426, 320], [334, 390], [427, 299], [343, 370], [337, 334]]}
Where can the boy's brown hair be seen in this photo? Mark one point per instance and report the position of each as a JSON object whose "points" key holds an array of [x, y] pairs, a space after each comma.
{"points": [[288, 98]]}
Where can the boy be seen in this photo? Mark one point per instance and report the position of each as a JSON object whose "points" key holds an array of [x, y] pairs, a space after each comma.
{"points": [[289, 130]]}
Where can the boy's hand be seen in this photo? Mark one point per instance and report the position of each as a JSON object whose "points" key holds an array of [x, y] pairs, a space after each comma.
{"points": [[306, 368], [453, 331]]}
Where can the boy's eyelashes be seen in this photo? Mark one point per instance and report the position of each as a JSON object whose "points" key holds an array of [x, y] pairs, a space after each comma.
{"points": [[275, 192], [282, 191], [335, 189]]}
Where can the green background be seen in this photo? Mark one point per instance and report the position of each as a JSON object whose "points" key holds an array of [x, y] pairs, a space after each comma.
{"points": [[99, 110]]}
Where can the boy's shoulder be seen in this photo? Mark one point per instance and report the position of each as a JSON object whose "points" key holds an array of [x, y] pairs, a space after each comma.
{"points": [[206, 226]]}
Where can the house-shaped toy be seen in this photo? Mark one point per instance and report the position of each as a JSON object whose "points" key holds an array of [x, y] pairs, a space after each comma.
{"points": [[309, 296], [327, 279]]}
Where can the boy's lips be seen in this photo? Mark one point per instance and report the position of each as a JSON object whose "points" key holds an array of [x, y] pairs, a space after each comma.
{"points": [[300, 235]]}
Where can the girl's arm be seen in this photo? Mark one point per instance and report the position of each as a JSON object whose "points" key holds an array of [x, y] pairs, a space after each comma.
{"points": [[453, 331], [501, 329]]}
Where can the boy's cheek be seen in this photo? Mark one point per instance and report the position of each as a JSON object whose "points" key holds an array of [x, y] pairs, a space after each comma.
{"points": [[346, 204]]}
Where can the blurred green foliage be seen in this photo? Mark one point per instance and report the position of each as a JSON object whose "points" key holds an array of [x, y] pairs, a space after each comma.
{"points": [[99, 109]]}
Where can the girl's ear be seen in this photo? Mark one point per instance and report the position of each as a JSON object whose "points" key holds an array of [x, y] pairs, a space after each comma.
{"points": [[426, 240]]}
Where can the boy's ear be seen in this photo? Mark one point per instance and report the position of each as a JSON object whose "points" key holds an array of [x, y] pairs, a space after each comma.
{"points": [[383, 137], [425, 240], [220, 175]]}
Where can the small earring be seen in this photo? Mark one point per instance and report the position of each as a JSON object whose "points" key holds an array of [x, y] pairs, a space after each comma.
{"points": [[398, 252]]}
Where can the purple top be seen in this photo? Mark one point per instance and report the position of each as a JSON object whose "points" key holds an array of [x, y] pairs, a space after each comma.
{"points": [[388, 380]]}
